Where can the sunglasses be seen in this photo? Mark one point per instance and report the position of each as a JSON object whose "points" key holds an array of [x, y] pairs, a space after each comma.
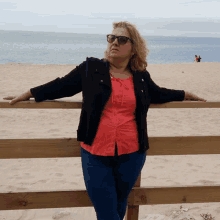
{"points": [[121, 39]]}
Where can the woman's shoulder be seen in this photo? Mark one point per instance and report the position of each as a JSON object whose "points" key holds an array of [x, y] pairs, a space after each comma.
{"points": [[96, 62], [144, 73], [90, 62], [92, 59]]}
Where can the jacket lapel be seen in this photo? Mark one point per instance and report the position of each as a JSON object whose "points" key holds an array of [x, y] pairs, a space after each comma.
{"points": [[136, 80], [102, 72]]}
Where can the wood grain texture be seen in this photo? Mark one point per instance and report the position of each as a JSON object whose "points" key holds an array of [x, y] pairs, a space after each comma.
{"points": [[70, 147], [67, 105], [138, 196]]}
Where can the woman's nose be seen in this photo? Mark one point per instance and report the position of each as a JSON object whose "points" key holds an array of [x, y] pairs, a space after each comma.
{"points": [[115, 41]]}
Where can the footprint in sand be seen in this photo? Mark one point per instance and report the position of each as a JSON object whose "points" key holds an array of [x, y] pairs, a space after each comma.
{"points": [[14, 189], [151, 177], [53, 130], [18, 178], [58, 174], [189, 164], [159, 167], [27, 176], [39, 181], [194, 170], [153, 216], [63, 215], [73, 183], [206, 182]]}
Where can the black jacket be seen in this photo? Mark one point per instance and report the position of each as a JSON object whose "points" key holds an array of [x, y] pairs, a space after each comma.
{"points": [[93, 79]]}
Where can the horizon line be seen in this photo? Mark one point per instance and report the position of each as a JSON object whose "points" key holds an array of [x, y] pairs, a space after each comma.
{"points": [[105, 34]]}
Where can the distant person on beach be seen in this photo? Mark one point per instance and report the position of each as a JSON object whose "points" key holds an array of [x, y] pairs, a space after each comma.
{"points": [[196, 59], [117, 92], [199, 58]]}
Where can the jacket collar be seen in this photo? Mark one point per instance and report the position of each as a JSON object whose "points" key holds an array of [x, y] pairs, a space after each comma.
{"points": [[104, 72]]}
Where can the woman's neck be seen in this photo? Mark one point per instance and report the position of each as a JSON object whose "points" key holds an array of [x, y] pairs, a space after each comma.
{"points": [[118, 65]]}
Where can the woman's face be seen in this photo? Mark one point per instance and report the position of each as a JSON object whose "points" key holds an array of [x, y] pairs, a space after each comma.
{"points": [[116, 50]]}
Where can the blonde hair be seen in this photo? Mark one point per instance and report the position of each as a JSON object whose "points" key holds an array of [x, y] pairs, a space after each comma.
{"points": [[139, 60]]}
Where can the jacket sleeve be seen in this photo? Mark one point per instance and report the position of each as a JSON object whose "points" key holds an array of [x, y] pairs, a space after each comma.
{"points": [[66, 86], [163, 95]]}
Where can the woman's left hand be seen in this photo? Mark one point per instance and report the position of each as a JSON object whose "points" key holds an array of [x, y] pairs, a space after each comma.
{"points": [[192, 97]]}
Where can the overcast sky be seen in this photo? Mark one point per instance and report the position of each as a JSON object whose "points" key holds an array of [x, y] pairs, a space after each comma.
{"points": [[196, 18]]}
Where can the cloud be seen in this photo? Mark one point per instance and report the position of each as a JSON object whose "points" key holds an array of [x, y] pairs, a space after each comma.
{"points": [[207, 26], [155, 18], [8, 5], [196, 1]]}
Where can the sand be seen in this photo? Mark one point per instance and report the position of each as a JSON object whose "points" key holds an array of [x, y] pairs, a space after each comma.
{"points": [[23, 175]]}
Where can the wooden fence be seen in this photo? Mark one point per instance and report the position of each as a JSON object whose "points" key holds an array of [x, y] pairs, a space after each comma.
{"points": [[70, 147]]}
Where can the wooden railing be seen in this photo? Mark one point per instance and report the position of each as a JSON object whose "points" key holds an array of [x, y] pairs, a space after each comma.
{"points": [[70, 147]]}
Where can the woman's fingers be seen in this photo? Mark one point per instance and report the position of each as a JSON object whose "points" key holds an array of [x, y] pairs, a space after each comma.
{"points": [[201, 99], [196, 98], [14, 99], [9, 97]]}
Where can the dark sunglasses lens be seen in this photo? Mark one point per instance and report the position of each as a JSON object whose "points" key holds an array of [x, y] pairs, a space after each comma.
{"points": [[110, 38], [122, 40]]}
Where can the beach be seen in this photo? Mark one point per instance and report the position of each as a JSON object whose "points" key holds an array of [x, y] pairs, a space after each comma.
{"points": [[53, 174]]}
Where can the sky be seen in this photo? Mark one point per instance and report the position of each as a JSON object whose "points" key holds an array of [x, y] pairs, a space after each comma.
{"points": [[196, 18]]}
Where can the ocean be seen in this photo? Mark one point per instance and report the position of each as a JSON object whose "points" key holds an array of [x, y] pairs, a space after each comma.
{"points": [[72, 48]]}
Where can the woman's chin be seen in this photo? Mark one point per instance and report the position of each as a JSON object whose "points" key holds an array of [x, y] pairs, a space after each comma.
{"points": [[113, 55]]}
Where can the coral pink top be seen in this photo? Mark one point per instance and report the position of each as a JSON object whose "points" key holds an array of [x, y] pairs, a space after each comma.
{"points": [[117, 123]]}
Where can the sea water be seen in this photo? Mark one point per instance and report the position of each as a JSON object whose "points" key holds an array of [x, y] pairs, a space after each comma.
{"points": [[72, 48]]}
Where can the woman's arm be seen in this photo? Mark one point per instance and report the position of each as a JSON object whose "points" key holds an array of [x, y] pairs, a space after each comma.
{"points": [[66, 86], [163, 95]]}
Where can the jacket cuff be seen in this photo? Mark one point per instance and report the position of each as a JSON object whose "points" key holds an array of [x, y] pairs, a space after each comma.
{"points": [[181, 95]]}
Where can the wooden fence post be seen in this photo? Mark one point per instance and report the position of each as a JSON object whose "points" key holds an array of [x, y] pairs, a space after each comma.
{"points": [[132, 211]]}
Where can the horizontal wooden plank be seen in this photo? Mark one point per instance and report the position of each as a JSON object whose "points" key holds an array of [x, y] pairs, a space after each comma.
{"points": [[66, 105], [39, 200], [138, 196], [184, 145], [40, 105], [70, 147], [39, 148], [187, 104], [173, 195]]}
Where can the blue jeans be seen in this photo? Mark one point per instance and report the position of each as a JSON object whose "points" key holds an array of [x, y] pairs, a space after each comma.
{"points": [[109, 180]]}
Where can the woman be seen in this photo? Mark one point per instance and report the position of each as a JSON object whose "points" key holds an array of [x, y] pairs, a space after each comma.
{"points": [[117, 92]]}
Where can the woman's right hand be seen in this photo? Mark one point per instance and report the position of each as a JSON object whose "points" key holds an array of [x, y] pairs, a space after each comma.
{"points": [[23, 97]]}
